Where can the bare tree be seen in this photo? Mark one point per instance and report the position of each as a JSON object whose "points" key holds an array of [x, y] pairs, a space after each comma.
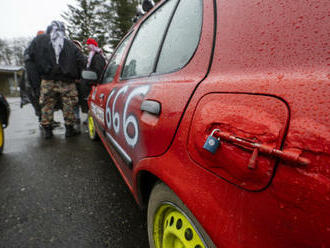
{"points": [[18, 47], [3, 52], [12, 51]]}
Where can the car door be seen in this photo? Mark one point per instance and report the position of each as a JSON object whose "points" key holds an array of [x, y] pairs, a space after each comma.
{"points": [[100, 92], [169, 56]]}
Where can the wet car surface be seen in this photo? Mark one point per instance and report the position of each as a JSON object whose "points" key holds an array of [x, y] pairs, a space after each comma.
{"points": [[216, 114]]}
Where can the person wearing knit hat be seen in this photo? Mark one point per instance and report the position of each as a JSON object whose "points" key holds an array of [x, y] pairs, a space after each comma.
{"points": [[93, 48], [142, 9], [40, 32], [95, 62], [91, 41], [147, 5]]}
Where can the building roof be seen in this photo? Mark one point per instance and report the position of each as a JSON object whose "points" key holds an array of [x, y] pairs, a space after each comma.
{"points": [[11, 68]]}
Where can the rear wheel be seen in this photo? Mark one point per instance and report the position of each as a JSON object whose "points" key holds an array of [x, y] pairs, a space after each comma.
{"points": [[2, 138], [91, 128], [171, 224]]}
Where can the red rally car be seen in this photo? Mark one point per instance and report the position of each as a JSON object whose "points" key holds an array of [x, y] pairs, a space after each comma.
{"points": [[216, 114]]}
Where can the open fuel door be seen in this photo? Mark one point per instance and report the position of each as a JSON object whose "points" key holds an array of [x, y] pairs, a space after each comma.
{"points": [[250, 129]]}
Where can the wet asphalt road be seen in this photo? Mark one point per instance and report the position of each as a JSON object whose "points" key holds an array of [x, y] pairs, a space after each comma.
{"points": [[62, 192]]}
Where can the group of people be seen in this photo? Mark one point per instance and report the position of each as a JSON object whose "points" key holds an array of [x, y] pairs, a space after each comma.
{"points": [[53, 66]]}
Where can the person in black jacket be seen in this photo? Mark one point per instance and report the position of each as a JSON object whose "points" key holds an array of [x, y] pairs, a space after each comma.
{"points": [[147, 5], [30, 84], [79, 89], [59, 63], [141, 10], [96, 62]]}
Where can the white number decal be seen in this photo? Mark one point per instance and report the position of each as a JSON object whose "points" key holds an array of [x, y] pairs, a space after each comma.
{"points": [[108, 110], [114, 118], [131, 118]]}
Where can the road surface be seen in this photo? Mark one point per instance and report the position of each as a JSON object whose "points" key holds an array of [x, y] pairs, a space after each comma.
{"points": [[62, 192]]}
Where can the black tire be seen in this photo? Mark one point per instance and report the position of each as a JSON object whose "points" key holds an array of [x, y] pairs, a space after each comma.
{"points": [[161, 198], [2, 138], [91, 128]]}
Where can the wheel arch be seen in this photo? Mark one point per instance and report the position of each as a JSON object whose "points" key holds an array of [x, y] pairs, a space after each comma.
{"points": [[145, 181]]}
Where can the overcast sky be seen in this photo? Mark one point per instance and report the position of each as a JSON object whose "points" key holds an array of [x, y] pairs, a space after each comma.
{"points": [[24, 18]]}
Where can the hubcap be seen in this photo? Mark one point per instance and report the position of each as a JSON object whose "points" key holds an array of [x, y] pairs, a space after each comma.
{"points": [[172, 229], [91, 127]]}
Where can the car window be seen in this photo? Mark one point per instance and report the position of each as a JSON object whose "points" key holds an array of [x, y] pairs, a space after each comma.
{"points": [[144, 50], [114, 62], [182, 37]]}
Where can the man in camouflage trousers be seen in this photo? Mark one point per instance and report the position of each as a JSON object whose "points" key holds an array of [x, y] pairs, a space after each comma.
{"points": [[59, 63], [50, 90]]}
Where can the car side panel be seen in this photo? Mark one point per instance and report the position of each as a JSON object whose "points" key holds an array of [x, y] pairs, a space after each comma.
{"points": [[291, 212], [172, 90], [277, 48]]}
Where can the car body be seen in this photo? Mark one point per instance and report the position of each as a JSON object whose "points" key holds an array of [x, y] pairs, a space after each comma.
{"points": [[254, 75], [4, 119]]}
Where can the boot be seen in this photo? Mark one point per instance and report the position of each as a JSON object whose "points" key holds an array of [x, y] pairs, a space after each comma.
{"points": [[71, 131], [47, 131], [56, 124]]}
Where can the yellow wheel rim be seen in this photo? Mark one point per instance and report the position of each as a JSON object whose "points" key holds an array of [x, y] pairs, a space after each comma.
{"points": [[91, 127], [1, 135], [172, 229]]}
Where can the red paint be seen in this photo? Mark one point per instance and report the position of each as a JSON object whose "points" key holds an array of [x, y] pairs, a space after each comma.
{"points": [[268, 92], [255, 118], [172, 91]]}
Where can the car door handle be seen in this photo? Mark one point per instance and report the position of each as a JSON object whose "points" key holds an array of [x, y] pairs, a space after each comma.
{"points": [[101, 96], [151, 106]]}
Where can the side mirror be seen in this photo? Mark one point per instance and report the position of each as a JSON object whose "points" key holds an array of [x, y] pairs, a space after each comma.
{"points": [[89, 75]]}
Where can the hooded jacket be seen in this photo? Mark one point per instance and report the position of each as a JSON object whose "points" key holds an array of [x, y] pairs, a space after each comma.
{"points": [[40, 55]]}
